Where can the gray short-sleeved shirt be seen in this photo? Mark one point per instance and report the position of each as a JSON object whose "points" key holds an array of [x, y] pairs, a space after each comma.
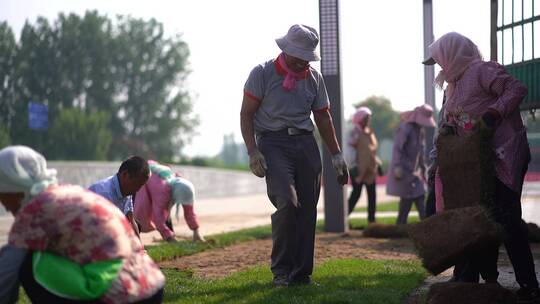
{"points": [[279, 108]]}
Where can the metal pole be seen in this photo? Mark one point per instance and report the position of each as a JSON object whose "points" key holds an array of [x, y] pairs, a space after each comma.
{"points": [[493, 31], [429, 71], [335, 207]]}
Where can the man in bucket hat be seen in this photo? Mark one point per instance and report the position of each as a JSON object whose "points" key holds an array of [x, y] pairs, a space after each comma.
{"points": [[279, 97]]}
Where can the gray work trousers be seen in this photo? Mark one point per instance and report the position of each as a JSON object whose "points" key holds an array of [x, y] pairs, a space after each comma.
{"points": [[405, 205], [293, 181]]}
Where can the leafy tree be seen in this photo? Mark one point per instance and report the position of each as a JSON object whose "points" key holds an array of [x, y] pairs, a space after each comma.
{"points": [[35, 78], [86, 47], [229, 151], [77, 135], [129, 70], [8, 49], [155, 108], [4, 137], [385, 119]]}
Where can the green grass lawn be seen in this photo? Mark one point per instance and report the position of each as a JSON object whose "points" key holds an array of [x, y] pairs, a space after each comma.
{"points": [[341, 281], [390, 206]]}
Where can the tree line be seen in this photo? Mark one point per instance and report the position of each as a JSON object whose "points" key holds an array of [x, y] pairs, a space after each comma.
{"points": [[112, 87]]}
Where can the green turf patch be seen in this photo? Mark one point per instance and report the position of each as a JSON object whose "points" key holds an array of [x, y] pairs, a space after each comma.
{"points": [[382, 207], [341, 281], [166, 251]]}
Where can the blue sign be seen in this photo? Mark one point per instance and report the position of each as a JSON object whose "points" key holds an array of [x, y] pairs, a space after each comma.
{"points": [[38, 116]]}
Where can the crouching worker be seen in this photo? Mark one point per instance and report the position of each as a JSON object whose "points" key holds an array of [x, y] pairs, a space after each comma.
{"points": [[154, 201], [68, 244], [120, 188]]}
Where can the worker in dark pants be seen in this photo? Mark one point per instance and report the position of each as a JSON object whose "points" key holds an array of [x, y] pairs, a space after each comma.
{"points": [[481, 95], [279, 97]]}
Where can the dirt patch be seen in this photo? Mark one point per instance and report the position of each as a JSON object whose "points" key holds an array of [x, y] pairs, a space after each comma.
{"points": [[221, 262]]}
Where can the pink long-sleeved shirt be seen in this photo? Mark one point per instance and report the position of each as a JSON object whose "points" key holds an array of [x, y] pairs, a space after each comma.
{"points": [[487, 85], [153, 207]]}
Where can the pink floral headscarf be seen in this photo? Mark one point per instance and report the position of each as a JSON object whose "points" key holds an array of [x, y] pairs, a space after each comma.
{"points": [[454, 53], [422, 115], [360, 116], [358, 120]]}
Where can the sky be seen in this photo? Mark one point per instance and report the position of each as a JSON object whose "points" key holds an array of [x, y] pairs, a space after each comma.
{"points": [[381, 46]]}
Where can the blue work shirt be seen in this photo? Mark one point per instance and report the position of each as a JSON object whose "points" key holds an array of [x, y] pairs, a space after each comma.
{"points": [[109, 188]]}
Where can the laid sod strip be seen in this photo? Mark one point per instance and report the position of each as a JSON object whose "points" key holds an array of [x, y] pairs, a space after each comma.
{"points": [[341, 281], [167, 251]]}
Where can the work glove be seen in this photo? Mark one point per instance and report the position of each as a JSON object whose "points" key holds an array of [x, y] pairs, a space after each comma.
{"points": [[446, 129], [257, 163], [341, 168], [380, 170], [487, 122], [398, 172]]}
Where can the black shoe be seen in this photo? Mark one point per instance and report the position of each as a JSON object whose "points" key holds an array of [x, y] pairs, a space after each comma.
{"points": [[280, 281], [455, 279], [528, 295], [303, 281]]}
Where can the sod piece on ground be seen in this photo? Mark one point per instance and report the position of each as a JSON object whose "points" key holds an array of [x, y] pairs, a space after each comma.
{"points": [[469, 293], [443, 239], [385, 231]]}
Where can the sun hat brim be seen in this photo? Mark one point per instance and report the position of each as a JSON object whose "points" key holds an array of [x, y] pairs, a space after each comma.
{"points": [[429, 61], [289, 49]]}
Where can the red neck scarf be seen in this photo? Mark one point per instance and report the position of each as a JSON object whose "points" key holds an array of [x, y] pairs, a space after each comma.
{"points": [[289, 82]]}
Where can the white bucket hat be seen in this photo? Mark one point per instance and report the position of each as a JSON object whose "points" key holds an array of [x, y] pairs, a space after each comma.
{"points": [[300, 42]]}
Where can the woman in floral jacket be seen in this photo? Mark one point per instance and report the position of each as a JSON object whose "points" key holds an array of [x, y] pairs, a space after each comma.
{"points": [[67, 244]]}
